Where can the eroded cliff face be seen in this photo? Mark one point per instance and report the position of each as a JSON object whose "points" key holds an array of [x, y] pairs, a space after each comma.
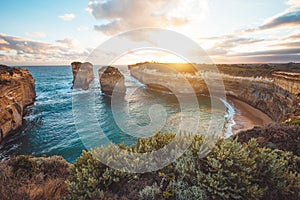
{"points": [[17, 90], [83, 75], [289, 81], [267, 94], [275, 90], [111, 79], [272, 88], [167, 79]]}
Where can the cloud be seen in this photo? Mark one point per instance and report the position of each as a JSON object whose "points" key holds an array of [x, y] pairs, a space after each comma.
{"points": [[233, 41], [289, 18], [225, 43], [286, 19], [294, 3], [67, 17], [36, 34], [295, 36], [23, 46], [288, 44], [68, 42], [122, 15], [21, 50], [260, 59], [286, 51]]}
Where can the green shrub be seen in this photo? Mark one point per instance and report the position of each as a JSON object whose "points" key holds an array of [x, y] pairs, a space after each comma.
{"points": [[150, 192], [89, 178], [86, 177], [294, 122], [232, 170], [183, 191]]}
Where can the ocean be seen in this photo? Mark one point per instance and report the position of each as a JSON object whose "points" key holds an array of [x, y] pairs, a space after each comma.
{"points": [[51, 127]]}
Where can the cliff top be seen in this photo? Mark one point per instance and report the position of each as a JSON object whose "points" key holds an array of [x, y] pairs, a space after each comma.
{"points": [[109, 70], [9, 73], [255, 70]]}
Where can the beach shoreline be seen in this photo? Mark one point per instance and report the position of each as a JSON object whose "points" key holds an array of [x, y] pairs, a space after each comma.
{"points": [[246, 116]]}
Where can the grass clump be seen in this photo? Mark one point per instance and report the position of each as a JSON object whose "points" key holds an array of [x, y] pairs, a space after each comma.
{"points": [[28, 177]]}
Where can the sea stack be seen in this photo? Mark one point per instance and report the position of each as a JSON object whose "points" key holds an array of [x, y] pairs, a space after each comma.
{"points": [[83, 75], [111, 79], [17, 90]]}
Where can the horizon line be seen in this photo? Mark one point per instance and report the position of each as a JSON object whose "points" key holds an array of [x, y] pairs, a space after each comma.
{"points": [[63, 65]]}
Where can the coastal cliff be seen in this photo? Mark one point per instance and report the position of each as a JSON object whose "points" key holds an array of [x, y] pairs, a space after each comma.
{"points": [[266, 94], [111, 79], [162, 76], [83, 75], [273, 89], [17, 90]]}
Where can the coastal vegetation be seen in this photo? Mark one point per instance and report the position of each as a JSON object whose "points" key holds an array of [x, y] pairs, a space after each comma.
{"points": [[234, 169], [28, 177], [275, 136]]}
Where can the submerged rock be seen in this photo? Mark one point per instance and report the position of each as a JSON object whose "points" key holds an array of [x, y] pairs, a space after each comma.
{"points": [[83, 75], [111, 80], [17, 90]]}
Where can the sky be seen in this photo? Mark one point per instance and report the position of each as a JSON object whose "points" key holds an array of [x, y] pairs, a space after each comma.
{"points": [[57, 32]]}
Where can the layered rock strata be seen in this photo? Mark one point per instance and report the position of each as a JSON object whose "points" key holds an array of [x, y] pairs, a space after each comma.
{"points": [[17, 90], [111, 80], [83, 75], [275, 90]]}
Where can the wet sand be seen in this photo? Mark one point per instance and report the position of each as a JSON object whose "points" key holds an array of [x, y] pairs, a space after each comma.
{"points": [[246, 116]]}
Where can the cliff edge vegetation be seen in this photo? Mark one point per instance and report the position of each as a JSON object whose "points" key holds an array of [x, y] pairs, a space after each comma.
{"points": [[232, 170]]}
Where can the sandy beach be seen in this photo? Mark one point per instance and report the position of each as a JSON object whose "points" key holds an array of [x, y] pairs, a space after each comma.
{"points": [[246, 116]]}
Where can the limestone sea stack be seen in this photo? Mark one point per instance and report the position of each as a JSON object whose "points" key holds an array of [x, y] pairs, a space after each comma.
{"points": [[111, 79], [83, 75], [17, 90]]}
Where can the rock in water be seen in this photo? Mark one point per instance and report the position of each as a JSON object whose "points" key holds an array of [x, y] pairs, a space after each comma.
{"points": [[83, 75], [17, 90], [111, 80]]}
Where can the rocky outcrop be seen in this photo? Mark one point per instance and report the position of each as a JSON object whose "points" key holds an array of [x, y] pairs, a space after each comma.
{"points": [[111, 80], [273, 89], [17, 90], [83, 75]]}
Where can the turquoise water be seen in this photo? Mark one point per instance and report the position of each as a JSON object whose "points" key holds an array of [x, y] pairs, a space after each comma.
{"points": [[49, 126]]}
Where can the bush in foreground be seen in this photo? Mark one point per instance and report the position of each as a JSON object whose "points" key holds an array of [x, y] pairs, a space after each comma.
{"points": [[232, 170], [275, 136]]}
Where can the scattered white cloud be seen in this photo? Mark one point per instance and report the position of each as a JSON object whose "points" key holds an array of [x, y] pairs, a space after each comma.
{"points": [[69, 42], [264, 43], [288, 18], [21, 50], [294, 3], [36, 34], [67, 17], [123, 15]]}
